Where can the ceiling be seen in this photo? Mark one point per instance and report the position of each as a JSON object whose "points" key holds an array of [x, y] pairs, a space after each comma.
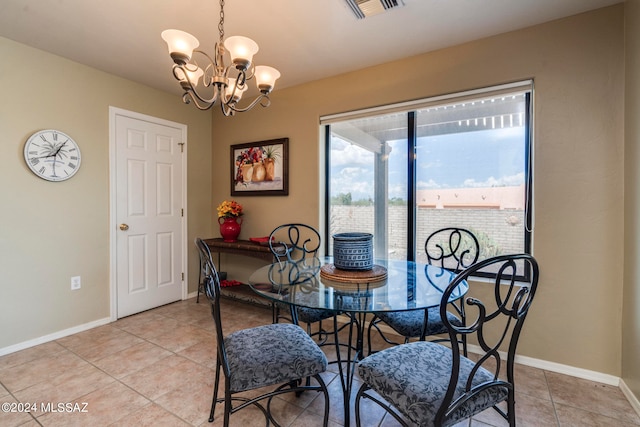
{"points": [[305, 39]]}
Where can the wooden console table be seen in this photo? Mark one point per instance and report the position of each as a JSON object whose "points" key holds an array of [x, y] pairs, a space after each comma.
{"points": [[245, 248], [240, 247]]}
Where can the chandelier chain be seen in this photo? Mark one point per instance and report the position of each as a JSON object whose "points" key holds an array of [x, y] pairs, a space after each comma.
{"points": [[221, 23]]}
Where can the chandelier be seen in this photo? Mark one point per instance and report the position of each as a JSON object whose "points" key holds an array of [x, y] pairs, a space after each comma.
{"points": [[212, 80]]}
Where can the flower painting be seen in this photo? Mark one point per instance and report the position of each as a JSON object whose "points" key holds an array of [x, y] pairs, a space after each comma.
{"points": [[260, 168]]}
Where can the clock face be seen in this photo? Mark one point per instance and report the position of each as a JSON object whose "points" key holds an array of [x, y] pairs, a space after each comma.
{"points": [[52, 155]]}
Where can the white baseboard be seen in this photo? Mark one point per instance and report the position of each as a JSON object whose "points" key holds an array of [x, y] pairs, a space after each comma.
{"points": [[543, 364], [633, 400], [54, 336], [569, 370]]}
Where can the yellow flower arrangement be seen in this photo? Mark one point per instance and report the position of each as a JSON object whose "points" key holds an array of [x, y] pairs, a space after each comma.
{"points": [[229, 209]]}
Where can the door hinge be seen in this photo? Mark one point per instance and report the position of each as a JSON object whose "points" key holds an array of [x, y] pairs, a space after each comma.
{"points": [[181, 144], [183, 277], [182, 212]]}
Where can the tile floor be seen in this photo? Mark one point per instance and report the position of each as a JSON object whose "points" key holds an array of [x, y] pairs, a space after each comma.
{"points": [[155, 368]]}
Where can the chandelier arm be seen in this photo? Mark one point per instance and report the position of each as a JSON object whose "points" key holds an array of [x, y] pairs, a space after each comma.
{"points": [[240, 83], [214, 96], [213, 65], [211, 60], [258, 99], [201, 102], [226, 109], [188, 97]]}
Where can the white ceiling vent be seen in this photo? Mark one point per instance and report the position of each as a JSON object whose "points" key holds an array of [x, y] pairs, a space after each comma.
{"points": [[366, 8]]}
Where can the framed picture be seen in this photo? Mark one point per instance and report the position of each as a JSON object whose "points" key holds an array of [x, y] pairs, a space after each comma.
{"points": [[260, 168]]}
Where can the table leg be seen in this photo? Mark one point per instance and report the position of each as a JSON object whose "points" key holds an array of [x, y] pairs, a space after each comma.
{"points": [[346, 374]]}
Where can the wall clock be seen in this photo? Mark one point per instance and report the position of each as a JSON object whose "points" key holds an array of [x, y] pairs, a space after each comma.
{"points": [[52, 155]]}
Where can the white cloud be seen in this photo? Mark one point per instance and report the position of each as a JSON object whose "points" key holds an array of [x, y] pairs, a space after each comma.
{"points": [[512, 180], [427, 185], [343, 153]]}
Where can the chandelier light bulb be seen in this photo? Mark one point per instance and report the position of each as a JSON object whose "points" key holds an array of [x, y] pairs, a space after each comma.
{"points": [[241, 49], [266, 78], [180, 44], [229, 90], [193, 74]]}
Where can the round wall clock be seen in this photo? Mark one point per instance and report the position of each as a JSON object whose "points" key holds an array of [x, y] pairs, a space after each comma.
{"points": [[52, 155]]}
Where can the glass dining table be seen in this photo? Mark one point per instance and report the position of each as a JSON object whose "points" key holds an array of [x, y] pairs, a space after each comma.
{"points": [[392, 285]]}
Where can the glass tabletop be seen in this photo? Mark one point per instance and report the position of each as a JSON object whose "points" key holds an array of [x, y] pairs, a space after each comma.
{"points": [[393, 285]]}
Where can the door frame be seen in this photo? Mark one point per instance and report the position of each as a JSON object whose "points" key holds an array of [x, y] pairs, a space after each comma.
{"points": [[113, 224]]}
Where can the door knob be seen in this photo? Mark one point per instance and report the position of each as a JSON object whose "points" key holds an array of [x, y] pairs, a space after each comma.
{"points": [[124, 227]]}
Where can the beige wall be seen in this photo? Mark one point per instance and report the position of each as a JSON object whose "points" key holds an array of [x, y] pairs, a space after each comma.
{"points": [[52, 231], [631, 296], [578, 67]]}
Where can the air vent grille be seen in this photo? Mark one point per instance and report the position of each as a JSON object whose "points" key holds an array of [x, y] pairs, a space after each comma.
{"points": [[365, 8]]}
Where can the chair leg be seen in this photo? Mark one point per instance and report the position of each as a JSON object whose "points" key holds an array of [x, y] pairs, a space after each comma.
{"points": [[326, 399], [227, 407], [511, 409], [374, 324], [359, 395], [215, 392]]}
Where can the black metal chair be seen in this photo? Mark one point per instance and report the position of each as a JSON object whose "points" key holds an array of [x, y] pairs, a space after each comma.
{"points": [[452, 248], [430, 384], [271, 355], [204, 272], [299, 243]]}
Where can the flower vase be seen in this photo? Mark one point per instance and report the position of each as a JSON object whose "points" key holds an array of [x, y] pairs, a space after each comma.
{"points": [[269, 168], [258, 172], [230, 228], [247, 172]]}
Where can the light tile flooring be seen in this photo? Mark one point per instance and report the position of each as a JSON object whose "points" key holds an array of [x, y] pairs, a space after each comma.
{"points": [[155, 368]]}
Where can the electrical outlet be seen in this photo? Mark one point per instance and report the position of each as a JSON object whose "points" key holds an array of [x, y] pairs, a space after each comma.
{"points": [[75, 283]]}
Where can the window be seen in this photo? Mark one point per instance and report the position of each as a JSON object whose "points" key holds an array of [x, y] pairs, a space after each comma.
{"points": [[402, 172]]}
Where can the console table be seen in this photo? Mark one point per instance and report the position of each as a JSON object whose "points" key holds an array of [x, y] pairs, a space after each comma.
{"points": [[240, 247], [245, 248]]}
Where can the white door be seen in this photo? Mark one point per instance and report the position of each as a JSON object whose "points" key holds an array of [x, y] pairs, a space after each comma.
{"points": [[148, 213]]}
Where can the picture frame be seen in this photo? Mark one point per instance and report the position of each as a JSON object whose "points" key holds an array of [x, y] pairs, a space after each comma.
{"points": [[260, 168]]}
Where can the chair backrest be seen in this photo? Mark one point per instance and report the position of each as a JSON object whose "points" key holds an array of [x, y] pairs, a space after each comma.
{"points": [[452, 248], [204, 265], [493, 324], [212, 290], [294, 242]]}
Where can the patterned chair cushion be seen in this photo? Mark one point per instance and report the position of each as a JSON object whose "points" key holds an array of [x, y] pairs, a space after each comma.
{"points": [[414, 379], [409, 323], [312, 315], [271, 354], [306, 314]]}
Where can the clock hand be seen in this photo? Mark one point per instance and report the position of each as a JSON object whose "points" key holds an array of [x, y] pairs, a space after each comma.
{"points": [[43, 157], [59, 148]]}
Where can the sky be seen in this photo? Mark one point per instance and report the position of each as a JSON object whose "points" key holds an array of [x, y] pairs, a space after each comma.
{"points": [[486, 158]]}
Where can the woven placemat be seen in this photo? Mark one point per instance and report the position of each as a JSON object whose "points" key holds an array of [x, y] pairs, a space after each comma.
{"points": [[377, 273]]}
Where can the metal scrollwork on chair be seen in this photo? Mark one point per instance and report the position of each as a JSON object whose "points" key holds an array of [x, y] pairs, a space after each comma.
{"points": [[453, 249], [277, 355], [429, 384], [298, 244], [294, 242]]}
